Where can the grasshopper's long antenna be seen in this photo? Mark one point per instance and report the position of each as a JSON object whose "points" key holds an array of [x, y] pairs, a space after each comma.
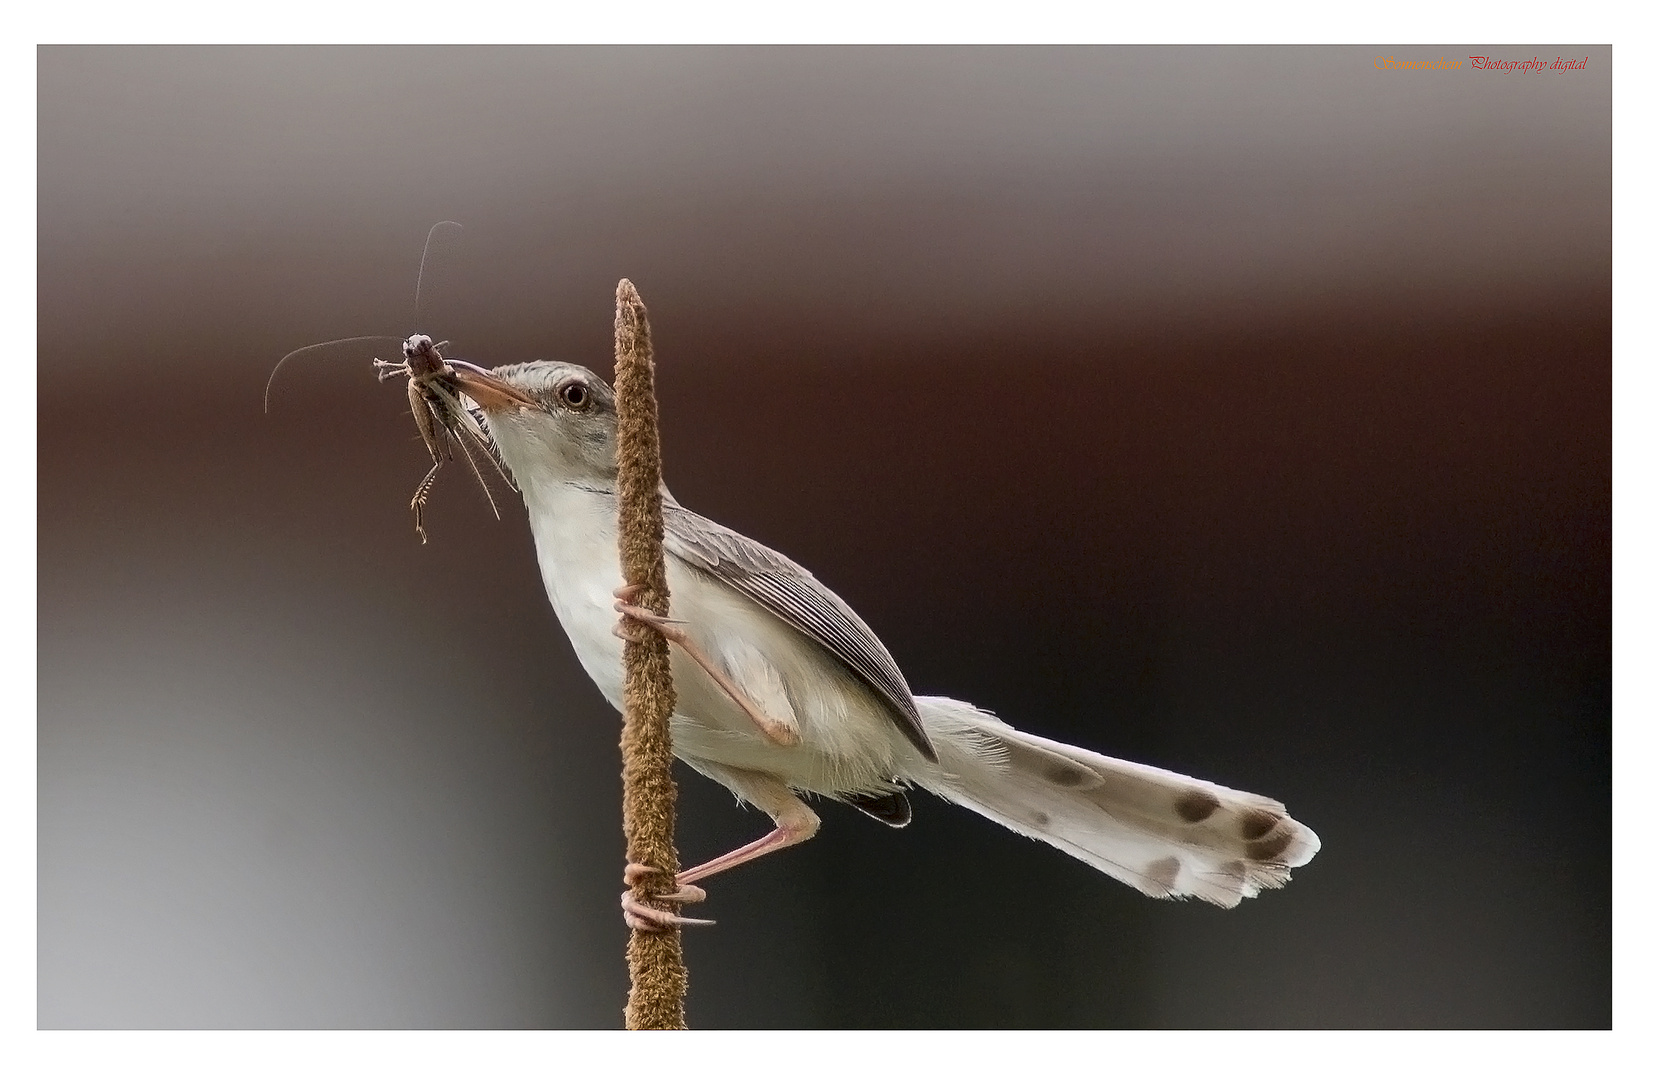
{"points": [[421, 277], [319, 345]]}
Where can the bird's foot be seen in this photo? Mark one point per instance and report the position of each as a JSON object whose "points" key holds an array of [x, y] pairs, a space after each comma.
{"points": [[639, 915], [628, 629]]}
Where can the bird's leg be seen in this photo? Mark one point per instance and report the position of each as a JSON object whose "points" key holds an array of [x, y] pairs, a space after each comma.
{"points": [[638, 913], [778, 732], [775, 840], [795, 823], [794, 820]]}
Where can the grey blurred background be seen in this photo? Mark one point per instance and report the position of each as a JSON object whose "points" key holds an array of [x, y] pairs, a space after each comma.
{"points": [[1241, 411]]}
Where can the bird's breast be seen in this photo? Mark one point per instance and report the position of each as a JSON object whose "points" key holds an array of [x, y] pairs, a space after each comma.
{"points": [[846, 740], [575, 543]]}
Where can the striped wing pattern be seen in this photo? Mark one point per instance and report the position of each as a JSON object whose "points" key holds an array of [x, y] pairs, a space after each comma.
{"points": [[789, 592]]}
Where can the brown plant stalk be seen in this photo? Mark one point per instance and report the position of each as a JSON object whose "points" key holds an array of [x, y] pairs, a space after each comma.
{"points": [[655, 962]]}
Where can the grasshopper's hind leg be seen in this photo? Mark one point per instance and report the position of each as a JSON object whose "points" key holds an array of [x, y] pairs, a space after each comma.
{"points": [[425, 418], [418, 503]]}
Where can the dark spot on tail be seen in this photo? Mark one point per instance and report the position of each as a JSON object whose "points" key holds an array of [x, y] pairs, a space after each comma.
{"points": [[1196, 805], [1254, 824], [1270, 848], [1040, 819], [1237, 870], [1164, 872], [1071, 776], [890, 809]]}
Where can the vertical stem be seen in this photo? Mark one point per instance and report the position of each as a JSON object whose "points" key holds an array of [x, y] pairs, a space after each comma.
{"points": [[654, 960]]}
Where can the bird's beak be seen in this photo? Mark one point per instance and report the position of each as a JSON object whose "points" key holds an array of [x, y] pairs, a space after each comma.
{"points": [[492, 394]]}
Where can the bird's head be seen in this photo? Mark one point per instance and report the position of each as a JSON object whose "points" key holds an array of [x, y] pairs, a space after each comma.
{"points": [[552, 422]]}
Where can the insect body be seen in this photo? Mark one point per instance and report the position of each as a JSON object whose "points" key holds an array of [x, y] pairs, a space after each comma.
{"points": [[444, 417]]}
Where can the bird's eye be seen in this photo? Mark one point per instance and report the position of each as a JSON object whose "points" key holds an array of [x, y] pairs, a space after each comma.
{"points": [[574, 395]]}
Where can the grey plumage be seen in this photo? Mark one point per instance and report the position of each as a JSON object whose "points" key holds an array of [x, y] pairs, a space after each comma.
{"points": [[792, 594]]}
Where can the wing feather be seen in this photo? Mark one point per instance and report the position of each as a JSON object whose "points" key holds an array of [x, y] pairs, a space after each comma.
{"points": [[792, 594]]}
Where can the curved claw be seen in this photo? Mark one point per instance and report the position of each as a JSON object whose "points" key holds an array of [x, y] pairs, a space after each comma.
{"points": [[645, 615], [636, 873], [641, 916], [627, 600]]}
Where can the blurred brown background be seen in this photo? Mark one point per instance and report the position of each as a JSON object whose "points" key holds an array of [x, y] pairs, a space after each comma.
{"points": [[1241, 411]]}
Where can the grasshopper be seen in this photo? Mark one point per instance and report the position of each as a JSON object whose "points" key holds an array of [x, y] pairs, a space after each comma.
{"points": [[441, 412], [443, 418]]}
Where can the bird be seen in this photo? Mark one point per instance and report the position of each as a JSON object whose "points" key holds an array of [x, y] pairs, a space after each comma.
{"points": [[784, 693]]}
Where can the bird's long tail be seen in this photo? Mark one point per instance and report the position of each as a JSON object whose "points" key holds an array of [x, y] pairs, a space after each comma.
{"points": [[1165, 834]]}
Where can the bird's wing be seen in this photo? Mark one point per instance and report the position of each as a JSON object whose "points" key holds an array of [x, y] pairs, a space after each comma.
{"points": [[788, 591]]}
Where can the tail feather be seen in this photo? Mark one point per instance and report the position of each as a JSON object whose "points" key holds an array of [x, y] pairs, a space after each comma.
{"points": [[1167, 835]]}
